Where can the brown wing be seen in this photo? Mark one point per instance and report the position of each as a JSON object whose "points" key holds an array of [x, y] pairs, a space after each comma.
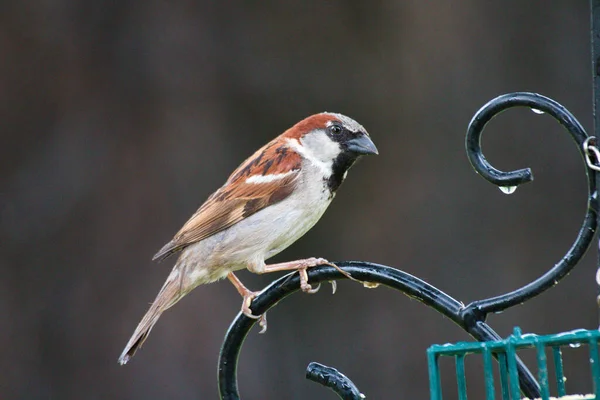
{"points": [[237, 199]]}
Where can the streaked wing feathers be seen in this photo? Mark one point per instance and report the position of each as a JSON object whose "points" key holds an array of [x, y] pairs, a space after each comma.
{"points": [[238, 199]]}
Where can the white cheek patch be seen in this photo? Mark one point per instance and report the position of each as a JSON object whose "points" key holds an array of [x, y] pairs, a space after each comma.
{"points": [[321, 146], [269, 178], [317, 148]]}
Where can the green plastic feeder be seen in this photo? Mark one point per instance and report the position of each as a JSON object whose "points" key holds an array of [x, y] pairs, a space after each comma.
{"points": [[505, 351]]}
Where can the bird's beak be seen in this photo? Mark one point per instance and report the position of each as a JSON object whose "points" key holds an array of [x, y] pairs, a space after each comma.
{"points": [[362, 145]]}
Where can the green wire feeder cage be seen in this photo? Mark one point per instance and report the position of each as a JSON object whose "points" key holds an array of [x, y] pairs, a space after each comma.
{"points": [[505, 352]]}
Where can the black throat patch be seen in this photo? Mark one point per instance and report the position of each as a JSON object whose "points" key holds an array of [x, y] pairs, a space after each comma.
{"points": [[340, 166]]}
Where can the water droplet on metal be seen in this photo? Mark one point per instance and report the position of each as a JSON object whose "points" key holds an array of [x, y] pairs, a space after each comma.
{"points": [[574, 345], [508, 189], [370, 285], [535, 110]]}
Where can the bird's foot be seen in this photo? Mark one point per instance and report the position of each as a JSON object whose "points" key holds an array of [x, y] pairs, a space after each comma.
{"points": [[304, 285], [301, 266], [248, 296], [313, 262], [262, 319]]}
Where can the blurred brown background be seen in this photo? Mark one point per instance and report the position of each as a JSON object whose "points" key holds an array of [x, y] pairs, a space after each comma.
{"points": [[119, 118]]}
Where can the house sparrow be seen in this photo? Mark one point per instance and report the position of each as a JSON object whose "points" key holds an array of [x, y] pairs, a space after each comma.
{"points": [[267, 203]]}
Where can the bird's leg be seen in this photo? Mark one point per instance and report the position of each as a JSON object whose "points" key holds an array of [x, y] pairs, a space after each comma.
{"points": [[301, 266], [248, 296]]}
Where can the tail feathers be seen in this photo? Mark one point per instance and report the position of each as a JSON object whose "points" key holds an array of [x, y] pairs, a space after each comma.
{"points": [[167, 297]]}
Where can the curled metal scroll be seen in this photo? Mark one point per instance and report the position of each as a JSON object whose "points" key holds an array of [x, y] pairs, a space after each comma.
{"points": [[515, 178], [471, 317]]}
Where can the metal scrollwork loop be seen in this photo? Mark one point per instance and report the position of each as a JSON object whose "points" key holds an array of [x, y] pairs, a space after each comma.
{"points": [[514, 178], [471, 317]]}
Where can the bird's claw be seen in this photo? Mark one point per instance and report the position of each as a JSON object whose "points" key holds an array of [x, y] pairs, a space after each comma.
{"points": [[333, 286], [309, 289], [304, 285], [313, 262], [262, 319], [262, 322]]}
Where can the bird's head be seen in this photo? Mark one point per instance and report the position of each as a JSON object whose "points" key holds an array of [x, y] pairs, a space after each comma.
{"points": [[332, 142]]}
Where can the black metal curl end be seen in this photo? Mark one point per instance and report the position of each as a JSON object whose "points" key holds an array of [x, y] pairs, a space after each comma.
{"points": [[366, 272], [333, 379], [540, 104], [536, 102]]}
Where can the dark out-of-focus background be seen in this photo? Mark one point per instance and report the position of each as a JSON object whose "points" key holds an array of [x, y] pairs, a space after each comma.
{"points": [[119, 118]]}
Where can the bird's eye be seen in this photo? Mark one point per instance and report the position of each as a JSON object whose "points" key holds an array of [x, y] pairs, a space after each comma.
{"points": [[335, 129]]}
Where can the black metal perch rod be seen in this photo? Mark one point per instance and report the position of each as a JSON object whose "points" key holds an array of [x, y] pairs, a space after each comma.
{"points": [[471, 317], [333, 379], [364, 271]]}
